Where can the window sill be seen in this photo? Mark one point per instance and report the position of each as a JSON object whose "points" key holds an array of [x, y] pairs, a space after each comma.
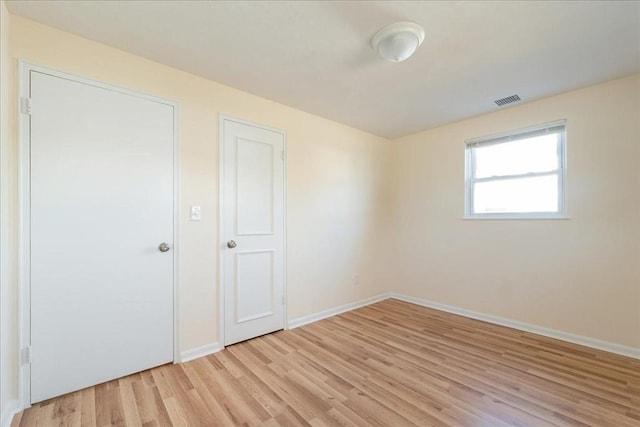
{"points": [[493, 217]]}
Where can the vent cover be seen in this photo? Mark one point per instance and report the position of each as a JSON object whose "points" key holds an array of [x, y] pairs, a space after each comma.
{"points": [[507, 100]]}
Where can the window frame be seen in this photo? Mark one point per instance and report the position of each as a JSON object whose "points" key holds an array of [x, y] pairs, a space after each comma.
{"points": [[509, 136]]}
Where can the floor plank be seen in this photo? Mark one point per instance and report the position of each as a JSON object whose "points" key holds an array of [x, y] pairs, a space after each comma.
{"points": [[388, 364]]}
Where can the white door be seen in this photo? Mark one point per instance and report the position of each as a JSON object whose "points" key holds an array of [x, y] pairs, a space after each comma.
{"points": [[253, 230], [101, 203]]}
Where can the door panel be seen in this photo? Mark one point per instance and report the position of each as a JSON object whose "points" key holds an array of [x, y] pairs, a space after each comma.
{"points": [[254, 285], [253, 218], [101, 203], [254, 187]]}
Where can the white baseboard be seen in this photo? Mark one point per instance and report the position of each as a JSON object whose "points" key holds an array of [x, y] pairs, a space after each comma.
{"points": [[547, 332], [9, 412], [633, 352], [201, 351], [300, 321]]}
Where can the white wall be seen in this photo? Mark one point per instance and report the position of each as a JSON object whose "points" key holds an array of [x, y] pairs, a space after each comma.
{"points": [[580, 275], [8, 230]]}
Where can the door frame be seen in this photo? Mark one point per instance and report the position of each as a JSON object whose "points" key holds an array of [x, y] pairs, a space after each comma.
{"points": [[221, 222], [24, 232]]}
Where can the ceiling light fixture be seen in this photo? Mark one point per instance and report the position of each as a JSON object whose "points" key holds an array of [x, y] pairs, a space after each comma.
{"points": [[397, 42]]}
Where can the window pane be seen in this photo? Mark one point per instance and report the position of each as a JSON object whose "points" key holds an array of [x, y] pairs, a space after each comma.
{"points": [[537, 154], [536, 194]]}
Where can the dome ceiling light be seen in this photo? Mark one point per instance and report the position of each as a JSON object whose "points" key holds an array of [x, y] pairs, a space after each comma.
{"points": [[397, 42]]}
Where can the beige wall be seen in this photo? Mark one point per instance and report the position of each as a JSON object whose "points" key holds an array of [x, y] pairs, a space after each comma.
{"points": [[389, 212], [336, 179], [8, 229], [580, 275]]}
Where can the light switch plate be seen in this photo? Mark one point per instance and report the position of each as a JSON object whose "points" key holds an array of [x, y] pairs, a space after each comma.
{"points": [[196, 213]]}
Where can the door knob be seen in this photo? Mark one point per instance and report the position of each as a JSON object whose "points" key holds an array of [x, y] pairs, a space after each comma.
{"points": [[231, 244], [164, 247]]}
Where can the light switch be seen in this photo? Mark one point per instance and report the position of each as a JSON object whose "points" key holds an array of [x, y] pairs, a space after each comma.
{"points": [[195, 213]]}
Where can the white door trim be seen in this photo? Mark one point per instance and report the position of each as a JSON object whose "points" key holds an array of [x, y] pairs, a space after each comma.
{"points": [[24, 183], [221, 223]]}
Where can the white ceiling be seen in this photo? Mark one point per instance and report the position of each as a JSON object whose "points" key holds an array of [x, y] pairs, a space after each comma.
{"points": [[316, 55]]}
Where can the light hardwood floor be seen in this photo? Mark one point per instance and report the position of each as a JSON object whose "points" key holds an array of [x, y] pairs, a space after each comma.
{"points": [[388, 364]]}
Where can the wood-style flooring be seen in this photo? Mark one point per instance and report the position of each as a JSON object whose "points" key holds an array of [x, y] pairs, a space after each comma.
{"points": [[387, 364]]}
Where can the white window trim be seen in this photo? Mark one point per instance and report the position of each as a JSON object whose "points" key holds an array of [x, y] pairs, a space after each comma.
{"points": [[503, 137]]}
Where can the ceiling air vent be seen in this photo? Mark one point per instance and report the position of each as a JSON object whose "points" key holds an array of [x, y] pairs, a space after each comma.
{"points": [[507, 100]]}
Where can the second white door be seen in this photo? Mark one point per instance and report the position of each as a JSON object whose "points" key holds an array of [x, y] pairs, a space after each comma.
{"points": [[253, 230]]}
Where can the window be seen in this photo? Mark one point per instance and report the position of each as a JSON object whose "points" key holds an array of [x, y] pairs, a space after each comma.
{"points": [[519, 174]]}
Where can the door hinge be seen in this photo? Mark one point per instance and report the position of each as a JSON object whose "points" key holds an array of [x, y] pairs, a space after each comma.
{"points": [[26, 355], [25, 106]]}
